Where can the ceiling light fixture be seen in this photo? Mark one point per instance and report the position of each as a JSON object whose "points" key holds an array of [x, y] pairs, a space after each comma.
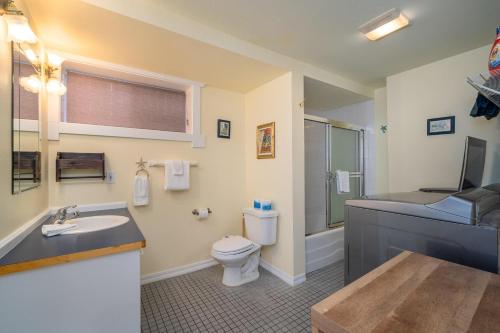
{"points": [[18, 28], [384, 24]]}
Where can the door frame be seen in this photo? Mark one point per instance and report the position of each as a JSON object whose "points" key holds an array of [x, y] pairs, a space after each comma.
{"points": [[362, 148]]}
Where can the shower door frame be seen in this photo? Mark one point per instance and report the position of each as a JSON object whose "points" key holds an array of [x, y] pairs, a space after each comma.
{"points": [[330, 174]]}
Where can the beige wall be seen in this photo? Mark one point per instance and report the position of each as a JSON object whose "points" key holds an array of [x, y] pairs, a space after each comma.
{"points": [[273, 178], [15, 209], [435, 90], [381, 158], [174, 236], [298, 175]]}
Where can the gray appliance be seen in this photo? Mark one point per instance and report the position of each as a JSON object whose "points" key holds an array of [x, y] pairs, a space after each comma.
{"points": [[472, 167], [461, 227]]}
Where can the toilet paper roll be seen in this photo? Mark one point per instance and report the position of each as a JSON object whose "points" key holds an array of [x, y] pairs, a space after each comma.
{"points": [[202, 213]]}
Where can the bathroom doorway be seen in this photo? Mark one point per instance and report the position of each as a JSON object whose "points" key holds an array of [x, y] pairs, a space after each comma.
{"points": [[331, 146]]}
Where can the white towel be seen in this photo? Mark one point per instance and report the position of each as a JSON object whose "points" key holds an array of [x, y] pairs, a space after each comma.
{"points": [[50, 230], [178, 167], [343, 185], [141, 190], [173, 180]]}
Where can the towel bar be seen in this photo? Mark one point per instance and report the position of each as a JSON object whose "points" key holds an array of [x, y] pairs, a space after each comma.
{"points": [[331, 175], [160, 164]]}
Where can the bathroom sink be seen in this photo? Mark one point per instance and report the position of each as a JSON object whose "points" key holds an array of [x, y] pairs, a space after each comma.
{"points": [[95, 223]]}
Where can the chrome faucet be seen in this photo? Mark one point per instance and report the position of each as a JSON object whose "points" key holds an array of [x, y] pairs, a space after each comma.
{"points": [[62, 214]]}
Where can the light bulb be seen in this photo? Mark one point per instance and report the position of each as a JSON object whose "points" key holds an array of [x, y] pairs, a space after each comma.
{"points": [[54, 60], [54, 86], [18, 29], [31, 83], [31, 55]]}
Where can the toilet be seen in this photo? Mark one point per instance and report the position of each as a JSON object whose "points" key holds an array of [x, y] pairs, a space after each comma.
{"points": [[240, 256]]}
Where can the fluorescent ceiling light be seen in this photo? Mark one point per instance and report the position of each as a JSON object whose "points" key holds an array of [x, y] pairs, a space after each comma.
{"points": [[384, 24]]}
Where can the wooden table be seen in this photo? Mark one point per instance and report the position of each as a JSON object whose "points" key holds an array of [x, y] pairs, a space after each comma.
{"points": [[413, 293]]}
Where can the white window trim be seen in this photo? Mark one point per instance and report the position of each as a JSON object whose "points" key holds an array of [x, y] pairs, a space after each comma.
{"points": [[122, 132], [26, 125], [120, 72]]}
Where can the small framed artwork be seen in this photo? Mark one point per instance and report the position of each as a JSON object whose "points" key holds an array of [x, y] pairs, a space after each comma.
{"points": [[443, 125], [223, 129], [265, 141]]}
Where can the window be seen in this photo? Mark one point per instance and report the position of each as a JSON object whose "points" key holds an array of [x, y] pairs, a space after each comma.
{"points": [[103, 101], [106, 99]]}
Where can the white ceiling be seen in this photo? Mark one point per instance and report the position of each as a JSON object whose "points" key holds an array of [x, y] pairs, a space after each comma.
{"points": [[89, 31], [324, 32]]}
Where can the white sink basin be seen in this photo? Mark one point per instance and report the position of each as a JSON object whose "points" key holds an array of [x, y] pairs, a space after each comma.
{"points": [[95, 223]]}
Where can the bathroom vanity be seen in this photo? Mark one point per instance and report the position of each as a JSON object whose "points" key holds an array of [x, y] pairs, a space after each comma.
{"points": [[55, 284]]}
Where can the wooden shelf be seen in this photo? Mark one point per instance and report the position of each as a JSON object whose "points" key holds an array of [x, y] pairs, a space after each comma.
{"points": [[27, 163], [80, 161]]}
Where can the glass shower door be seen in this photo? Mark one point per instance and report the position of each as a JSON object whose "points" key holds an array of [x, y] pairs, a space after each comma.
{"points": [[315, 134], [346, 154]]}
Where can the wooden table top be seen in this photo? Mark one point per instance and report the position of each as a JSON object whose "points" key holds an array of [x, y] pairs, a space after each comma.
{"points": [[413, 293]]}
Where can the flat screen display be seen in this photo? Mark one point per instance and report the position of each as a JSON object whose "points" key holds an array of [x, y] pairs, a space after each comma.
{"points": [[473, 163]]}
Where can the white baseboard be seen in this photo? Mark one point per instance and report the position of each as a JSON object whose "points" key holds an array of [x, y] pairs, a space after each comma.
{"points": [[176, 271], [180, 270], [11, 240], [291, 280]]}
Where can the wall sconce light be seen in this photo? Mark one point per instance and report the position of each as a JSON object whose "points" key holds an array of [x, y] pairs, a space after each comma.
{"points": [[18, 28], [46, 72], [19, 31]]}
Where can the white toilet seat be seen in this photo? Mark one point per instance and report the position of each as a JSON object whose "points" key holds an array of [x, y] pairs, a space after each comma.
{"points": [[230, 245], [239, 257]]}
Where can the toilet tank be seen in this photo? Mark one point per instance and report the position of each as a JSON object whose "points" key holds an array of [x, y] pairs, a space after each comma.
{"points": [[260, 225]]}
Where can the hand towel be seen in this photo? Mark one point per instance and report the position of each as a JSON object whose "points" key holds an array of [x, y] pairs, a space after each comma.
{"points": [[178, 167], [50, 230], [342, 178], [173, 181], [141, 190]]}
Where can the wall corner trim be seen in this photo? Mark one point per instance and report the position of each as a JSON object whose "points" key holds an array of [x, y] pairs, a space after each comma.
{"points": [[11, 240], [176, 271], [289, 279]]}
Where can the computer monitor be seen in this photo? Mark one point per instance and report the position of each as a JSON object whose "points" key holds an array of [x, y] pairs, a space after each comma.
{"points": [[472, 167], [473, 163]]}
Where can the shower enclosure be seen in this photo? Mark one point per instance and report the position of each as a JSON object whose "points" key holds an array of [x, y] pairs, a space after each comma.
{"points": [[330, 146]]}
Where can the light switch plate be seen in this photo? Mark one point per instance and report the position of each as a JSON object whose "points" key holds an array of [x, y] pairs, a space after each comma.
{"points": [[110, 177]]}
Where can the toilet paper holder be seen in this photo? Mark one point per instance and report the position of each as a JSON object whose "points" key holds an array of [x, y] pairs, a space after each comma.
{"points": [[196, 212]]}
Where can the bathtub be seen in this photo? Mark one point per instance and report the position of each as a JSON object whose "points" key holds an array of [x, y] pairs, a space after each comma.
{"points": [[324, 248]]}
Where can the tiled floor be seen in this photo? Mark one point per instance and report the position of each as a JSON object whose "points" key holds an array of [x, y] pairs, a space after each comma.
{"points": [[199, 302]]}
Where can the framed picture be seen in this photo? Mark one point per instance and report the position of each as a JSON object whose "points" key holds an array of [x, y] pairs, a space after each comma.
{"points": [[223, 129], [265, 141], [443, 125]]}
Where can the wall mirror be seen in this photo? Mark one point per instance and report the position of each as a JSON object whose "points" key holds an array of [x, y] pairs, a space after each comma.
{"points": [[26, 155]]}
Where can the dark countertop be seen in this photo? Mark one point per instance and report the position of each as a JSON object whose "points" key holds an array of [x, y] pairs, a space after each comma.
{"points": [[37, 247]]}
